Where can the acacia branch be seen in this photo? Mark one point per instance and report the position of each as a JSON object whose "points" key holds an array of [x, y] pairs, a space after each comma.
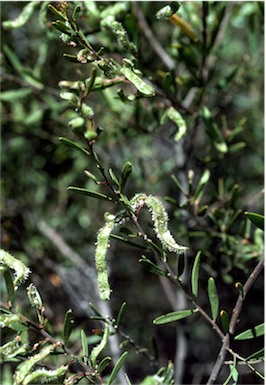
{"points": [[233, 322]]}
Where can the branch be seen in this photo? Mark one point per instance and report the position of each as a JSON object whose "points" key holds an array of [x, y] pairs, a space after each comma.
{"points": [[32, 325], [148, 33], [234, 319], [250, 281]]}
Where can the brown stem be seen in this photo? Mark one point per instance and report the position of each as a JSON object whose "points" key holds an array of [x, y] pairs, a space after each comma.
{"points": [[233, 322], [239, 303], [148, 33]]}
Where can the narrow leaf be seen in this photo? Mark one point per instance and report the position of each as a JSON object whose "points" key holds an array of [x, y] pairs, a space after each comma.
{"points": [[248, 334], [85, 348], [68, 325], [23, 17], [152, 266], [97, 349], [76, 12], [56, 12], [90, 193], [11, 95], [95, 310], [202, 182], [240, 289], [60, 25], [9, 286], [125, 174], [179, 184], [184, 26], [213, 298], [141, 86], [173, 316], [74, 145], [224, 321], [256, 219], [103, 364], [116, 368], [176, 117], [195, 274], [121, 313], [256, 355], [114, 177]]}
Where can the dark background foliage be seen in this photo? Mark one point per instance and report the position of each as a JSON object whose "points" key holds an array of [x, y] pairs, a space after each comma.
{"points": [[37, 168]]}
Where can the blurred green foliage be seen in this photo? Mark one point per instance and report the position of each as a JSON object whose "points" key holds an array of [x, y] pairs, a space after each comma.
{"points": [[209, 177]]}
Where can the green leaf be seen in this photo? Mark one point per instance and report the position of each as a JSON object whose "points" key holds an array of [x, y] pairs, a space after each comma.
{"points": [[74, 145], [114, 177], [85, 348], [213, 131], [60, 25], [23, 17], [195, 274], [11, 95], [213, 298], [116, 368], [9, 286], [25, 73], [202, 182], [125, 174], [103, 364], [234, 373], [179, 184], [173, 316], [68, 325], [95, 310], [251, 333], [176, 117], [236, 147], [90, 193], [153, 268], [56, 12], [256, 219], [141, 86], [224, 321], [76, 12], [90, 176], [256, 355], [121, 313], [240, 289], [97, 349]]}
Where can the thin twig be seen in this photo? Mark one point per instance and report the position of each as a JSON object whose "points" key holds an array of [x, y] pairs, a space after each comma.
{"points": [[148, 33], [250, 281], [233, 322]]}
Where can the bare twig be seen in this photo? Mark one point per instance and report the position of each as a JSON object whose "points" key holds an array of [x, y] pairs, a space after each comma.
{"points": [[147, 32]]}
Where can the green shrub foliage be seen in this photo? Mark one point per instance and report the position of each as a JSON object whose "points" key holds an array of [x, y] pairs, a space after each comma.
{"points": [[132, 173]]}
